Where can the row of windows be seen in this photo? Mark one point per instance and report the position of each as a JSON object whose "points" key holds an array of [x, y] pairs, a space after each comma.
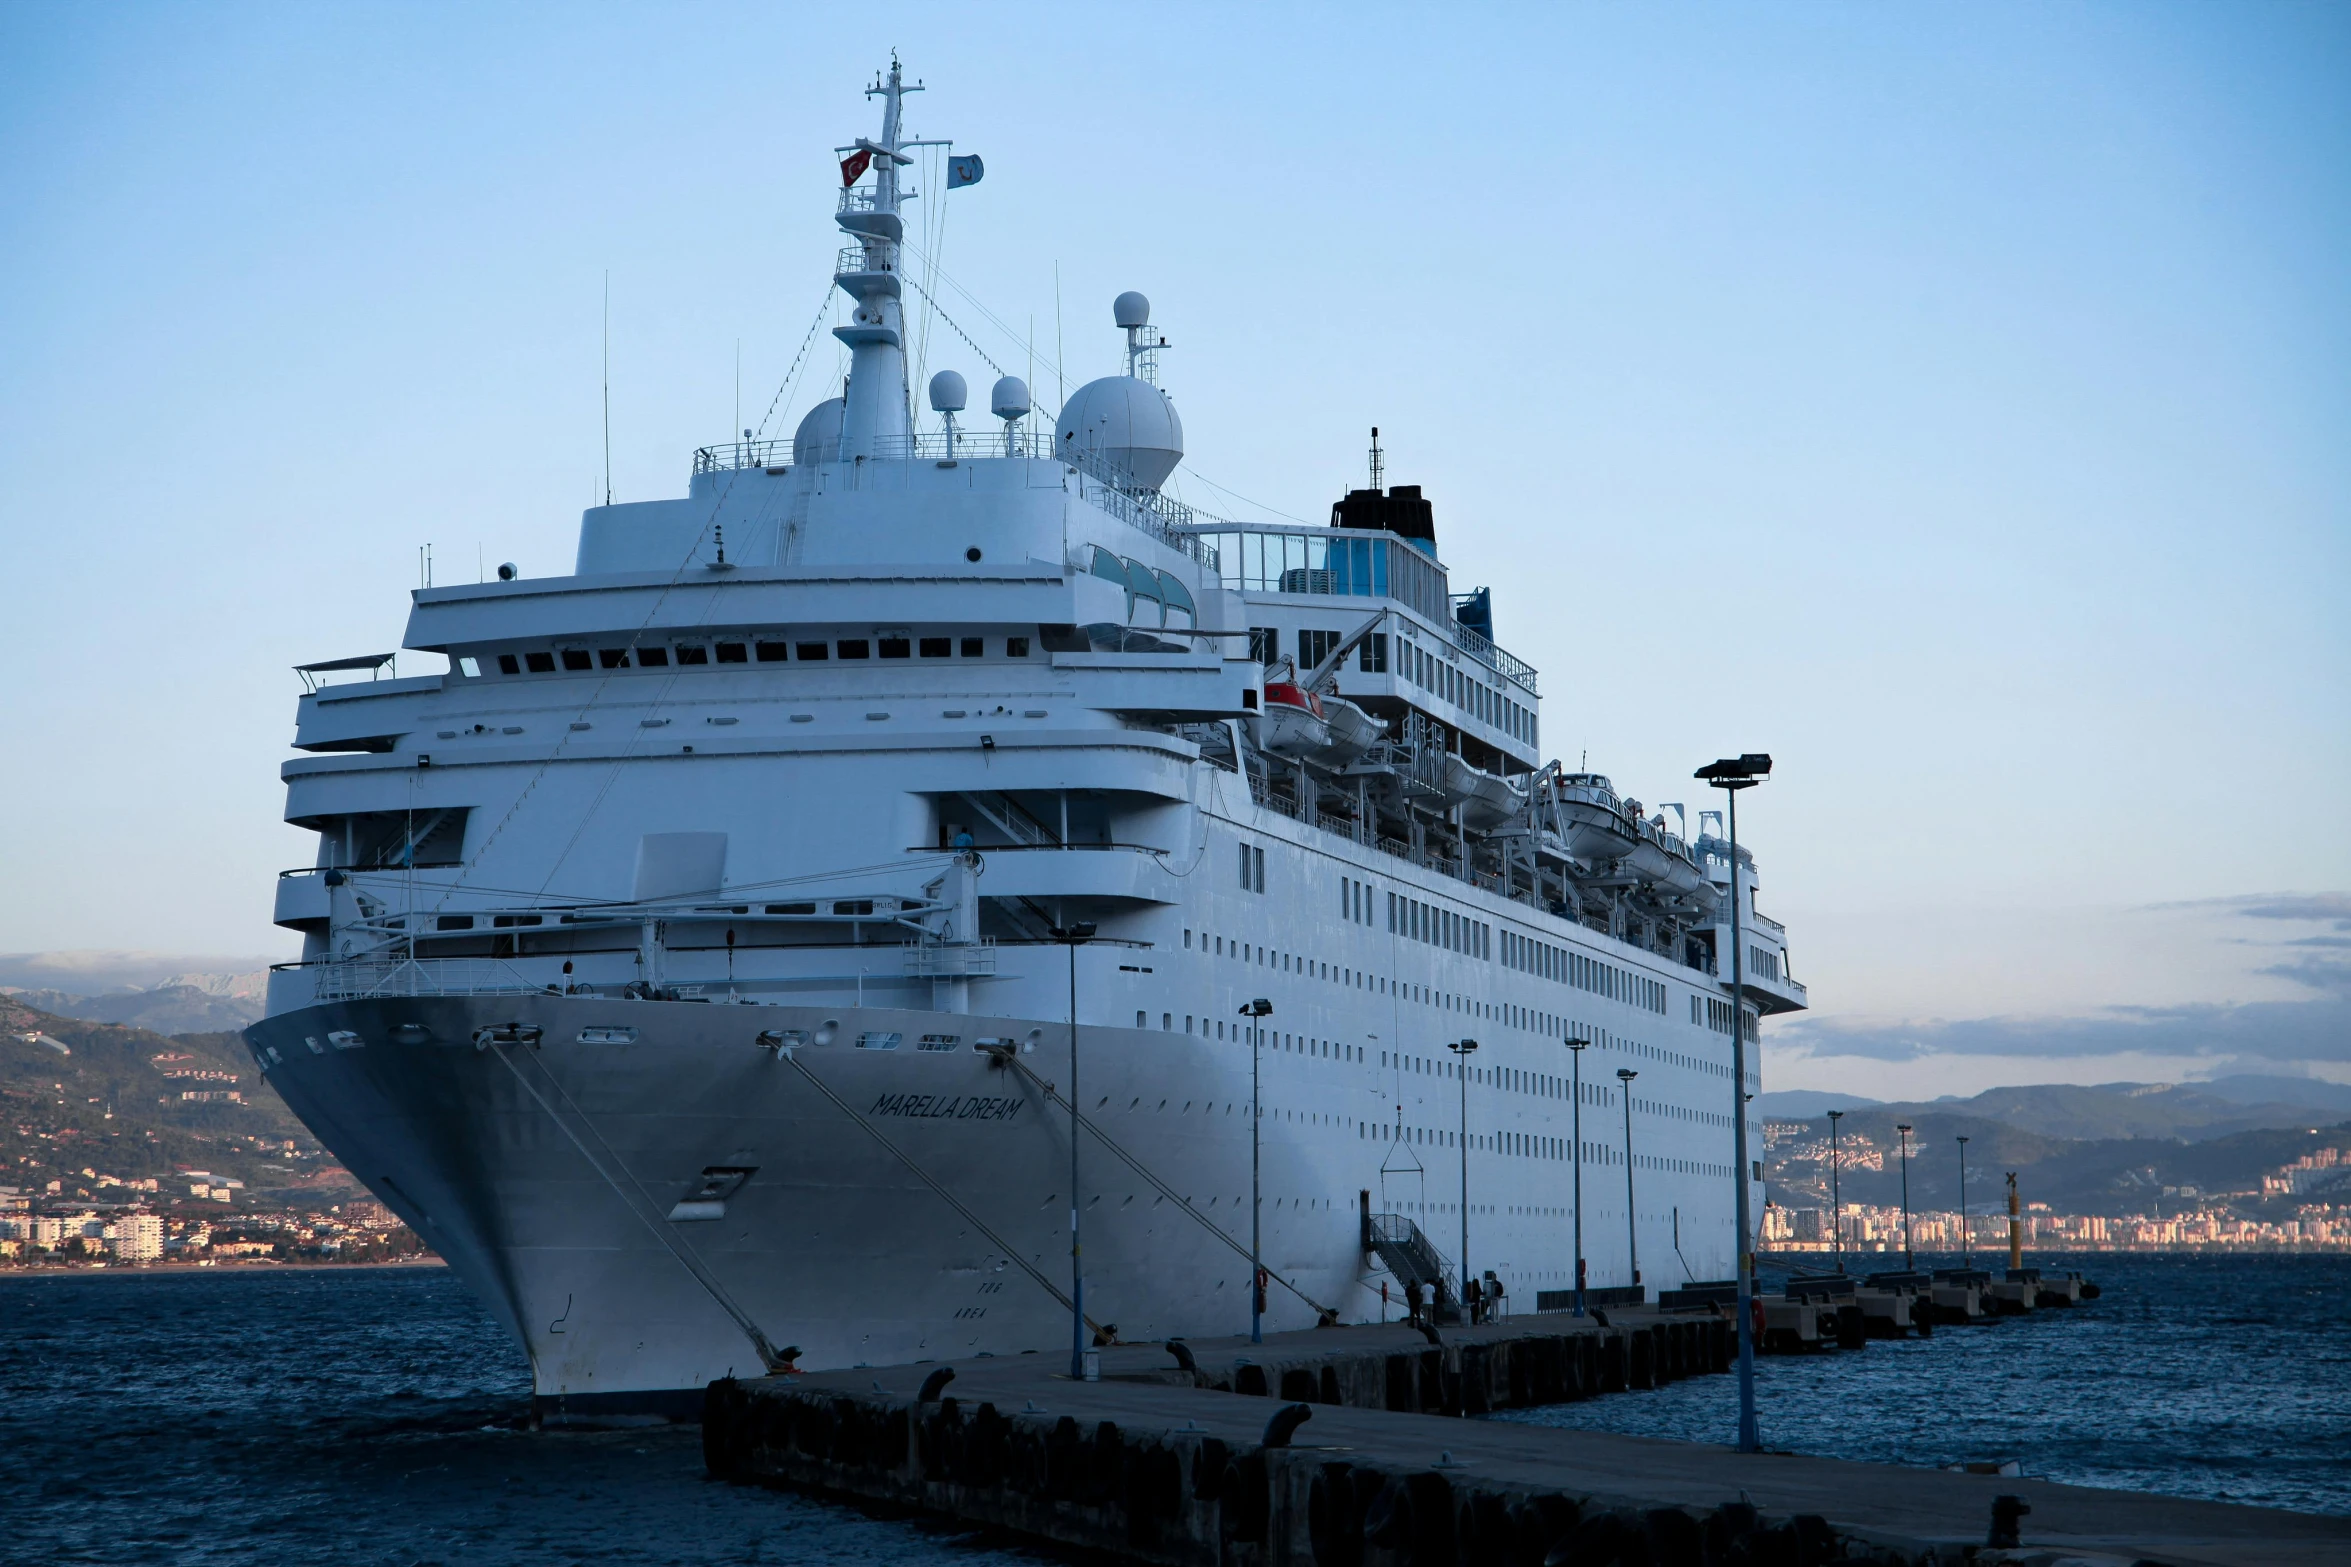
{"points": [[1548, 1024], [1552, 1026], [1355, 901], [1357, 979], [1521, 1145], [692, 654], [1568, 967], [1422, 668], [1464, 690], [1763, 963], [1252, 868], [1717, 1016], [1439, 927]]}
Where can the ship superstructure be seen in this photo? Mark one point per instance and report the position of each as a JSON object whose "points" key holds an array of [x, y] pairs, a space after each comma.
{"points": [[692, 964]]}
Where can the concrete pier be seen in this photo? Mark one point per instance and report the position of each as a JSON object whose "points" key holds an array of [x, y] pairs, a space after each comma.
{"points": [[1344, 1447]]}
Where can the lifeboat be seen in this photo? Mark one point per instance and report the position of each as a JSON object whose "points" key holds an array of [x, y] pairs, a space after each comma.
{"points": [[1662, 858], [1590, 821], [1486, 799], [1291, 723], [1353, 731]]}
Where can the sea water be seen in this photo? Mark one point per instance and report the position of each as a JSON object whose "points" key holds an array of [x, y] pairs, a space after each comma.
{"points": [[356, 1416], [376, 1416], [2223, 1377]]}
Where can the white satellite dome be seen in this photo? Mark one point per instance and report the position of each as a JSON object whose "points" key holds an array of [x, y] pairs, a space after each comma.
{"points": [[1126, 423], [819, 437], [1010, 399], [948, 393], [1131, 309]]}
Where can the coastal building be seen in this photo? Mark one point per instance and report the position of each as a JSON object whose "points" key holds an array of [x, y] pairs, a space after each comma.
{"points": [[137, 1237]]}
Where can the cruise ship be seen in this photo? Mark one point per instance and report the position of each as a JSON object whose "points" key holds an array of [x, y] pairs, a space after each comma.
{"points": [[766, 942]]}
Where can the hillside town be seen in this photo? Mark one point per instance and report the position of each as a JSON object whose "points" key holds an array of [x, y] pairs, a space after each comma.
{"points": [[109, 1220], [1817, 1206]]}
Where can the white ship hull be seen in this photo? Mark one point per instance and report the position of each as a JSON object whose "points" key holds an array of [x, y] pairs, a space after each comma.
{"points": [[546, 1173]]}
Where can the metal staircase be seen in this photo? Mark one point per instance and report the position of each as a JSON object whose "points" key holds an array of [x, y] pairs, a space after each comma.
{"points": [[1399, 1243]]}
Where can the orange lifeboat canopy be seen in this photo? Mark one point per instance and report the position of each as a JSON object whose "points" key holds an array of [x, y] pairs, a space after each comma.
{"points": [[1289, 695]]}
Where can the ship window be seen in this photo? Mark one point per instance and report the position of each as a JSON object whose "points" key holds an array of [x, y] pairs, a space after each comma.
{"points": [[454, 922], [855, 647], [1016, 647], [1371, 655], [693, 653], [577, 658], [774, 652], [810, 652], [730, 652], [936, 647], [507, 665], [653, 658], [975, 647], [613, 657], [896, 647], [540, 663], [468, 668]]}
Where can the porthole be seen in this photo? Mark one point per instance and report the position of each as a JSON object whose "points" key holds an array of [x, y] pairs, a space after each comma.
{"points": [[972, 554]]}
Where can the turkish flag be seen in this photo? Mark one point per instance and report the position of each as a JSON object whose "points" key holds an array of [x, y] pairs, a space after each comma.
{"points": [[854, 166]]}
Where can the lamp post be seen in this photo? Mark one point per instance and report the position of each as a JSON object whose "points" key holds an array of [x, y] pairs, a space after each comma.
{"points": [[1836, 1195], [1904, 1129], [1966, 1242], [1462, 1050], [1074, 936], [1575, 1052], [1256, 1012], [1632, 1245], [1730, 775]]}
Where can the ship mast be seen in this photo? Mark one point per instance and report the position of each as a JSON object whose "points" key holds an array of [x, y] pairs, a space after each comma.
{"points": [[876, 420]]}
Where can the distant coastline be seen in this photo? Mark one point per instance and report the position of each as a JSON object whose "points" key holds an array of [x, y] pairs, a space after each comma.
{"points": [[257, 1265]]}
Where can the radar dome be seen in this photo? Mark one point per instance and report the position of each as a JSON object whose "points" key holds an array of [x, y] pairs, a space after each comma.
{"points": [[1127, 424], [1131, 309], [947, 393], [1010, 399], [819, 437]]}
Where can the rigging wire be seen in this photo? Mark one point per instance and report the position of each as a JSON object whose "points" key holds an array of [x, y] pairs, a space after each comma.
{"points": [[941, 313], [1027, 343], [1245, 500], [595, 693]]}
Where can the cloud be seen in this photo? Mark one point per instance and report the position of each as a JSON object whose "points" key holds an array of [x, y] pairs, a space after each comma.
{"points": [[2306, 1030], [2276, 1031], [2327, 907]]}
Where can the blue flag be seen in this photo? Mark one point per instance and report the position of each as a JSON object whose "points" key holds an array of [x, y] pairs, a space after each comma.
{"points": [[964, 171]]}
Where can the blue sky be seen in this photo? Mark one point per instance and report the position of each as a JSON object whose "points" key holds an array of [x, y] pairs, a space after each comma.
{"points": [[1952, 401]]}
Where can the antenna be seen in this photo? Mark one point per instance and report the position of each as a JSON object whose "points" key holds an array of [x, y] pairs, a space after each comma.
{"points": [[1060, 391], [608, 386], [1379, 468]]}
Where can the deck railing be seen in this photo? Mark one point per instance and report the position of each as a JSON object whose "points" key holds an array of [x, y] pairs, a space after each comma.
{"points": [[362, 979]]}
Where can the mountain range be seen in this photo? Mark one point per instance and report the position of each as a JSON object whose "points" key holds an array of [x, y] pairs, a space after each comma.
{"points": [[2184, 1111], [164, 993]]}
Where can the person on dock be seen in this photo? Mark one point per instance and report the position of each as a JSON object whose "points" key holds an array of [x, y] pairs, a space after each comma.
{"points": [[1474, 1299], [1412, 1302]]}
